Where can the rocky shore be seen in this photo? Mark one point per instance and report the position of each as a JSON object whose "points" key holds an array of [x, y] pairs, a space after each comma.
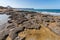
{"points": [[25, 25]]}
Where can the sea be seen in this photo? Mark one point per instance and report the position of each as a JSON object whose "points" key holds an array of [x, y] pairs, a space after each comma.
{"points": [[55, 12], [48, 10]]}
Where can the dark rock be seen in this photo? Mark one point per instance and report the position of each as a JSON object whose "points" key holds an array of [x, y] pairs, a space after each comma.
{"points": [[4, 34], [14, 33], [20, 21], [31, 25], [10, 21], [11, 26]]}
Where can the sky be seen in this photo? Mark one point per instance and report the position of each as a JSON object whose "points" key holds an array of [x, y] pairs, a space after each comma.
{"points": [[37, 4]]}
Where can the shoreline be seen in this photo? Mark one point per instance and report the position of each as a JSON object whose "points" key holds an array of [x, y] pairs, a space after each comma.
{"points": [[44, 13], [24, 21]]}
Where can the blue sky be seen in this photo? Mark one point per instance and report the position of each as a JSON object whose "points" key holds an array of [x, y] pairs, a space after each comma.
{"points": [[38, 4]]}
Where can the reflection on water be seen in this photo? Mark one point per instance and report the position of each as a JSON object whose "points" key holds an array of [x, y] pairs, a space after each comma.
{"points": [[3, 20]]}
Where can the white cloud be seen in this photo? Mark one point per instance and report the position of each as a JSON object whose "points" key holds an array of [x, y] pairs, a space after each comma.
{"points": [[7, 2]]}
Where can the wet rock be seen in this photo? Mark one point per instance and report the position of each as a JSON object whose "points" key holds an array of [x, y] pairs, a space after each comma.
{"points": [[4, 34], [38, 19], [31, 24], [46, 24], [21, 20], [57, 19], [11, 26], [46, 19], [14, 33], [10, 21], [28, 16]]}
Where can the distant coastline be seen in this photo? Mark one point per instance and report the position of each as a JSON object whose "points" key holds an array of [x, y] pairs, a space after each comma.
{"points": [[55, 12]]}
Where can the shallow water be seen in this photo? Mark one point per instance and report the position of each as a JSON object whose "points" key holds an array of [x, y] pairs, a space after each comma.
{"points": [[3, 20], [51, 13]]}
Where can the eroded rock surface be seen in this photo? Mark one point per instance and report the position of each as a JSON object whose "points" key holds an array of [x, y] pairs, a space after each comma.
{"points": [[32, 25]]}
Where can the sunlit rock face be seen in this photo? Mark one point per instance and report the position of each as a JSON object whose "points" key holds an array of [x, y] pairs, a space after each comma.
{"points": [[25, 25], [55, 27]]}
